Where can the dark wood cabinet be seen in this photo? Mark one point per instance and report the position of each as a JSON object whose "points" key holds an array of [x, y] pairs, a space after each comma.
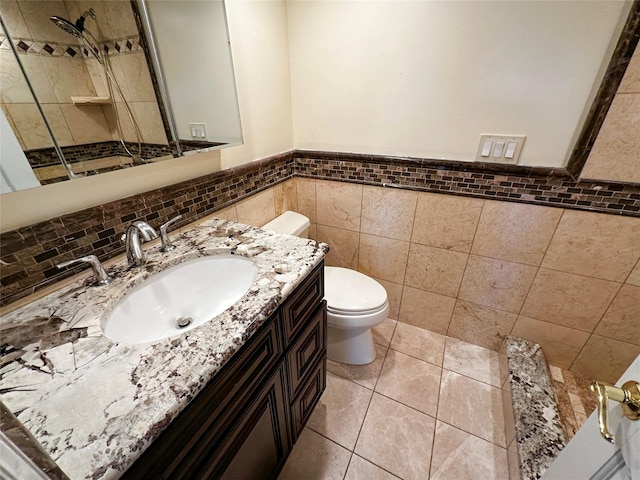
{"points": [[246, 420]]}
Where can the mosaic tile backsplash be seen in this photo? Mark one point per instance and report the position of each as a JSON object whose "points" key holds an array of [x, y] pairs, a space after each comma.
{"points": [[31, 253]]}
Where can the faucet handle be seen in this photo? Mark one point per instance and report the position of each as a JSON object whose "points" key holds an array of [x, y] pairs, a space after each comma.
{"points": [[101, 276], [167, 246], [628, 396]]}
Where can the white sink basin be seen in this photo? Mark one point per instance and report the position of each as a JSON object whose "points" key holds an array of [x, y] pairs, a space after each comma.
{"points": [[198, 289]]}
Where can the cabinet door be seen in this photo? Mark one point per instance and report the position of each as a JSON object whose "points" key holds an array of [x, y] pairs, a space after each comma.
{"points": [[258, 442]]}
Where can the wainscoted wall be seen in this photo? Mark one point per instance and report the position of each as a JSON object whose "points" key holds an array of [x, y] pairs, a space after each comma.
{"points": [[480, 269]]}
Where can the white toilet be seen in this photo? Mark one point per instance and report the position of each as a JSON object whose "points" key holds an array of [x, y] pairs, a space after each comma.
{"points": [[355, 302]]}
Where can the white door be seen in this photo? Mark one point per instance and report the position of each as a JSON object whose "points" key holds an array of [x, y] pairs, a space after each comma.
{"points": [[588, 456]]}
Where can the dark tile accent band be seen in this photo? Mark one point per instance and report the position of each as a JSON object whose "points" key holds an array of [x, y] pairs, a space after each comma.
{"points": [[616, 69], [31, 253]]}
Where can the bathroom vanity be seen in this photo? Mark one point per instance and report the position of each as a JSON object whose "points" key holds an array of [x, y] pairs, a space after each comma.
{"points": [[226, 399], [245, 421]]}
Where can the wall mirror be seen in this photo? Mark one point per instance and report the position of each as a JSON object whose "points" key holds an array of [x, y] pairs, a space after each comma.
{"points": [[89, 86]]}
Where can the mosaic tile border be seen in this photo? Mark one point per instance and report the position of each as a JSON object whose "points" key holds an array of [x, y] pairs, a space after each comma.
{"points": [[535, 185], [29, 46], [31, 253]]}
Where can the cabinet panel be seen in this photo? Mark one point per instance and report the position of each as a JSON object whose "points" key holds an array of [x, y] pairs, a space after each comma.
{"points": [[307, 349], [303, 302], [310, 393]]}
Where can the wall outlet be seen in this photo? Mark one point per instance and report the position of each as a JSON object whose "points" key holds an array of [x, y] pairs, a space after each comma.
{"points": [[500, 148], [198, 131]]}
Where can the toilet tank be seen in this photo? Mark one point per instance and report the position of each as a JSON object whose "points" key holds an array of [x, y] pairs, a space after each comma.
{"points": [[291, 223]]}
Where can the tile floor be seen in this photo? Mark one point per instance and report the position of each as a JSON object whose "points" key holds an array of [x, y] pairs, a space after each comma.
{"points": [[429, 406]]}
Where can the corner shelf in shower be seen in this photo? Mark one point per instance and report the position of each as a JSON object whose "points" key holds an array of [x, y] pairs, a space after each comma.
{"points": [[91, 100]]}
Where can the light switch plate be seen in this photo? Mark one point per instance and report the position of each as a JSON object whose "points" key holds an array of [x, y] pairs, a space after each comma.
{"points": [[501, 141]]}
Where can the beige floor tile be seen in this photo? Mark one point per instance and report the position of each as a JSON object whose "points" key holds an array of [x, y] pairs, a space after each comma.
{"points": [[484, 326], [410, 381], [516, 232], [570, 300], [446, 221], [496, 283], [472, 406], [605, 359], [383, 333], [344, 246], [427, 310], [397, 438], [560, 345], [341, 410], [388, 212], [419, 343], [595, 244], [473, 361], [360, 469], [622, 319], [339, 204], [365, 375], [383, 257], [461, 456], [315, 458], [435, 269]]}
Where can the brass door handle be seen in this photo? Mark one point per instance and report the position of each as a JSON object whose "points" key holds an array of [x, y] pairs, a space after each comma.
{"points": [[628, 396]]}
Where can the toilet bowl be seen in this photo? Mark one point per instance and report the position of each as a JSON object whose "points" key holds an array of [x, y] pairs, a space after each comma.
{"points": [[355, 302]]}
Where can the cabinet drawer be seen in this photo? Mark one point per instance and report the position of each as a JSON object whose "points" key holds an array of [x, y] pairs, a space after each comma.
{"points": [[307, 349], [310, 393], [303, 302]]}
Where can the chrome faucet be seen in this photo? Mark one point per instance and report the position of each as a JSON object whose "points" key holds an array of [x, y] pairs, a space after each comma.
{"points": [[135, 254], [100, 275]]}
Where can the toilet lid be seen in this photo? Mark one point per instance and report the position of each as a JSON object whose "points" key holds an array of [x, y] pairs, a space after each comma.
{"points": [[347, 291]]}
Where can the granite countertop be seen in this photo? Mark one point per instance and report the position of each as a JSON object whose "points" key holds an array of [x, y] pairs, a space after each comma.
{"points": [[95, 405]]}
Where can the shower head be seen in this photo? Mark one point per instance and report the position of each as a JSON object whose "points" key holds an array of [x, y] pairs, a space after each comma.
{"points": [[74, 29], [67, 26]]}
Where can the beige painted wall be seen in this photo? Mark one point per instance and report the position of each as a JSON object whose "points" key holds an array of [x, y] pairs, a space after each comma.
{"points": [[478, 269], [427, 78]]}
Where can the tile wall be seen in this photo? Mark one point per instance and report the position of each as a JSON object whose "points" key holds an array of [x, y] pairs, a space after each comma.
{"points": [[60, 67], [482, 269]]}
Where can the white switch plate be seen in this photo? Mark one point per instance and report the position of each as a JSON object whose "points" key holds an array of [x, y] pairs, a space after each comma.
{"points": [[198, 131], [502, 141]]}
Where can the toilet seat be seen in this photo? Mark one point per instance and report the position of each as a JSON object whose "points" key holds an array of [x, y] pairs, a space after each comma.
{"points": [[352, 293]]}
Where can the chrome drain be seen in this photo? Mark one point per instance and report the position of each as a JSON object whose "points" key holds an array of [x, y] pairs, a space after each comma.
{"points": [[183, 322]]}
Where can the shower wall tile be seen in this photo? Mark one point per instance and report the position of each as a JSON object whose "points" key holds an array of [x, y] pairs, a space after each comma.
{"points": [[480, 325], [598, 245], [36, 15], [383, 257], [86, 123], [496, 283], [561, 345], [515, 232], [427, 310], [622, 319], [446, 221], [574, 301], [132, 74], [68, 77], [14, 20], [339, 204], [30, 124], [605, 359], [435, 269], [388, 212], [120, 18], [344, 246], [58, 123], [14, 86]]}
